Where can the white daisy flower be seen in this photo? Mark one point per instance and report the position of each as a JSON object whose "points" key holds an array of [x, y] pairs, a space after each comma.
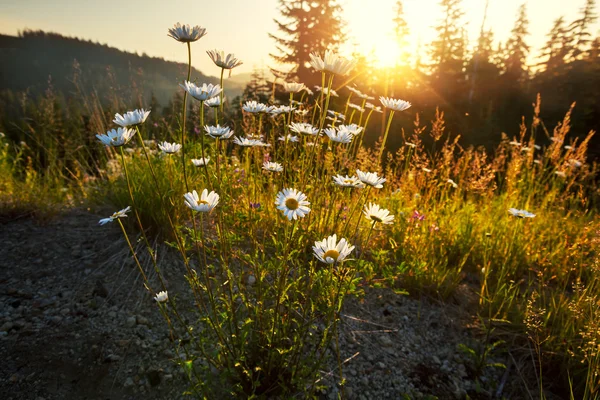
{"points": [[289, 138], [293, 87], [410, 145], [275, 111], [394, 104], [514, 143], [256, 107], [336, 114], [186, 34], [169, 148], [370, 178], [330, 250], [356, 107], [354, 90], [200, 162], [326, 91], [293, 203], [339, 135], [305, 129], [560, 173], [218, 132], [225, 62], [130, 118], [119, 214], [354, 129], [201, 93], [452, 183], [162, 297], [376, 214], [203, 203], [116, 137], [302, 113], [537, 147], [245, 142], [332, 63], [426, 170], [567, 147], [366, 96], [214, 102], [575, 163], [272, 166], [520, 213], [373, 107], [348, 181]]}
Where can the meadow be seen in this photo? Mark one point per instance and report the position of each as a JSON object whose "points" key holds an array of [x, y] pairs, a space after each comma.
{"points": [[280, 213]]}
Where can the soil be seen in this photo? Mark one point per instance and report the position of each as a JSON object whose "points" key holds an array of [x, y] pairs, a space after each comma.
{"points": [[76, 323]]}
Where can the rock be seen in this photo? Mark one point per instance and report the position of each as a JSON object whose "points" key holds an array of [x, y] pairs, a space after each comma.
{"points": [[380, 365], [386, 341], [128, 382], [112, 358], [112, 314], [131, 321], [436, 360], [141, 320]]}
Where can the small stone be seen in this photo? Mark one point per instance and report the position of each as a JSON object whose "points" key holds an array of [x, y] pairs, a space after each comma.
{"points": [[381, 365], [436, 360], [131, 321], [112, 314], [112, 358], [386, 341], [128, 382], [141, 320]]}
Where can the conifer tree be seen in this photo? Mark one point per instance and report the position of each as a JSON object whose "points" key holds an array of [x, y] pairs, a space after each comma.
{"points": [[448, 49], [581, 36], [517, 48]]}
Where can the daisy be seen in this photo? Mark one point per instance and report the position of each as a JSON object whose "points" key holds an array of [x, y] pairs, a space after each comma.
{"points": [[200, 162], [218, 132], [370, 178], [451, 182], [376, 214], [373, 107], [201, 93], [272, 166], [394, 104], [293, 203], [356, 107], [275, 111], [567, 147], [354, 129], [366, 96], [186, 34], [575, 163], [119, 214], [326, 91], [162, 297], [222, 61], [520, 213], [330, 250], [348, 181], [214, 102], [410, 145], [116, 137], [245, 142], [293, 87], [302, 113], [169, 148], [560, 173], [339, 135], [134, 117], [336, 114], [332, 63], [256, 107], [301, 128], [354, 90], [289, 138], [203, 203]]}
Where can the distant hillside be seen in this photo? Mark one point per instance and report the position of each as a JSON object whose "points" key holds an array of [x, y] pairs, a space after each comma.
{"points": [[29, 61]]}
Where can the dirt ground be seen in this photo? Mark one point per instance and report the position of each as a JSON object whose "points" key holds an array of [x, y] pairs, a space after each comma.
{"points": [[76, 323]]}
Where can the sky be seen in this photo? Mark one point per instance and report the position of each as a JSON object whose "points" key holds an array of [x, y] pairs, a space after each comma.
{"points": [[242, 27]]}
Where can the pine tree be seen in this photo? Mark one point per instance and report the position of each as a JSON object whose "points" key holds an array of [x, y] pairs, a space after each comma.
{"points": [[447, 51], [401, 31], [580, 29], [557, 47], [257, 89], [306, 27], [517, 48]]}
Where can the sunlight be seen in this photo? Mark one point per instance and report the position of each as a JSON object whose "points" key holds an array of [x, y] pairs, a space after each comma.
{"points": [[386, 53]]}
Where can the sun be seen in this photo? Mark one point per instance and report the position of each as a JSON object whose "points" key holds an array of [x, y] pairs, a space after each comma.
{"points": [[386, 53]]}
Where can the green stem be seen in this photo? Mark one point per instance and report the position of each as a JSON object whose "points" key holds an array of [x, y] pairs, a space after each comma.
{"points": [[385, 135]]}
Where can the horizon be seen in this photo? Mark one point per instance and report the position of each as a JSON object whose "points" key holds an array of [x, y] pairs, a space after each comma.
{"points": [[369, 33]]}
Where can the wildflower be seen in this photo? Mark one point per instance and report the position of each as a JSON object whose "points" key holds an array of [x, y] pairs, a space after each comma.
{"points": [[218, 132], [327, 91], [348, 181], [366, 96], [356, 107], [330, 250], [520, 213], [119, 214], [537, 147], [451, 182], [525, 149], [394, 104], [514, 143], [116, 137], [370, 178], [567, 147], [560, 173], [169, 148], [293, 203], [220, 60], [245, 142], [339, 135], [255, 107], [426, 170], [214, 102], [200, 162], [293, 87], [201, 93], [539, 162], [308, 91], [186, 34], [417, 216], [332, 63], [336, 114], [434, 228], [130, 118], [272, 166], [354, 90], [409, 144], [203, 203], [275, 111], [302, 113], [162, 297], [575, 163], [255, 206], [289, 138], [373, 107], [376, 214], [353, 129]]}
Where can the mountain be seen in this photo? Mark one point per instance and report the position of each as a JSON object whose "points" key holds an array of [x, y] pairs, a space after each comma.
{"points": [[34, 59]]}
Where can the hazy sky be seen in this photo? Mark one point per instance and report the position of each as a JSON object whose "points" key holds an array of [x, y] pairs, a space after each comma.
{"points": [[242, 26]]}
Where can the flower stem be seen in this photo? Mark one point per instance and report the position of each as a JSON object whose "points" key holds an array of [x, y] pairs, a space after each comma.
{"points": [[385, 135]]}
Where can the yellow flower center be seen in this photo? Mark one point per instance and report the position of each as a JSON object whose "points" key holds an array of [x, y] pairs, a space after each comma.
{"points": [[331, 253], [375, 218], [292, 204], [202, 202]]}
